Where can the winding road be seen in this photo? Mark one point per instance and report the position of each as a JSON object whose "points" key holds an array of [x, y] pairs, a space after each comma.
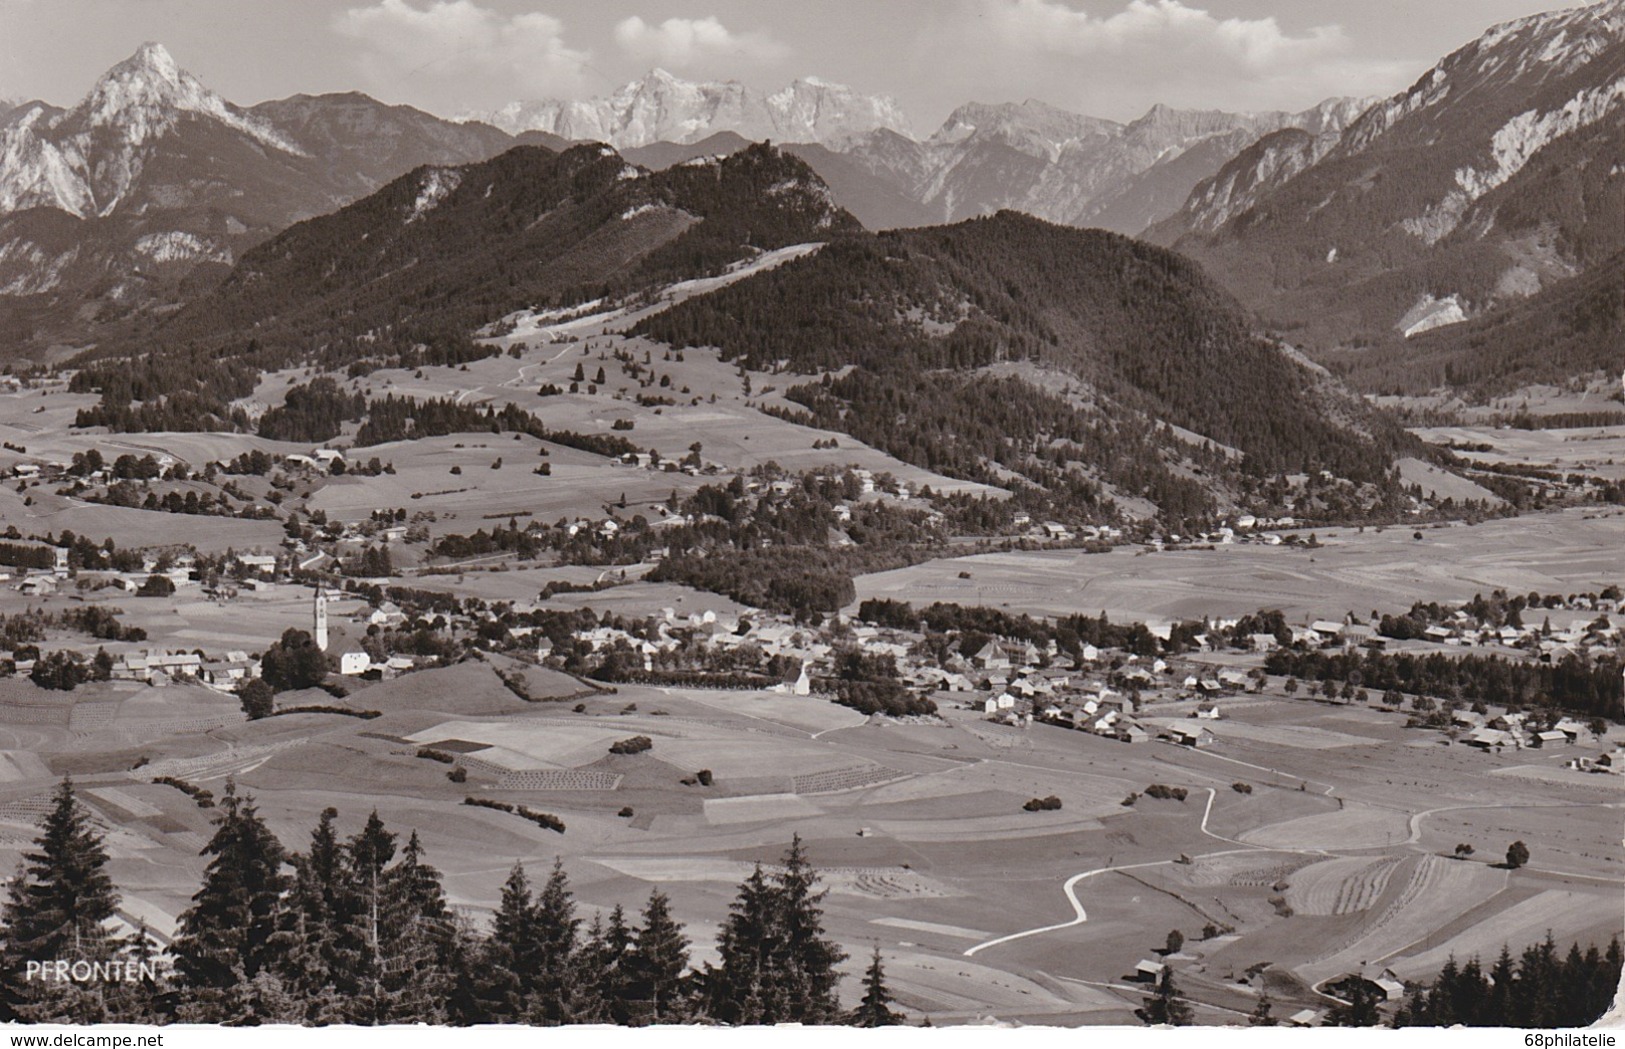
{"points": [[1080, 915]]}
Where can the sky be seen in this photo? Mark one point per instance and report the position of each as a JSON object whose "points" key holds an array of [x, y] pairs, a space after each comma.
{"points": [[1107, 58]]}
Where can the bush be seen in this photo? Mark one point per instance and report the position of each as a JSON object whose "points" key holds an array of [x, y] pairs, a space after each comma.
{"points": [[1048, 804], [436, 755], [704, 776], [635, 745], [204, 798], [458, 775], [323, 708], [258, 699], [1131, 799], [625, 813], [542, 819], [1164, 792], [1242, 788]]}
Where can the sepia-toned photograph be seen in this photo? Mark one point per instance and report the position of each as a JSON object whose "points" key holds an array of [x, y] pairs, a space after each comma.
{"points": [[682, 515]]}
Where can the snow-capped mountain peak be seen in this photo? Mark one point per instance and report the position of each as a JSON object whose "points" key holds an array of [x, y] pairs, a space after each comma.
{"points": [[85, 160], [144, 95], [662, 107]]}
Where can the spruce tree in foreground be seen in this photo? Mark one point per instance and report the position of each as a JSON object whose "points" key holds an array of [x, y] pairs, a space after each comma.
{"points": [[57, 908], [777, 965], [658, 961], [228, 948], [874, 1011], [511, 958], [556, 926]]}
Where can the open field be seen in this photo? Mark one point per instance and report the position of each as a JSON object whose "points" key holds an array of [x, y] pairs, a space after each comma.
{"points": [[1596, 450], [1333, 860], [1386, 570], [939, 806]]}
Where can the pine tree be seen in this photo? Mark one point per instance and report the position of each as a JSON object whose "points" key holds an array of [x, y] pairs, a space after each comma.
{"points": [[777, 965], [361, 922], [812, 957], [313, 960], [1361, 1009], [511, 954], [733, 991], [228, 937], [1165, 1007], [1261, 1012], [556, 926], [658, 960], [58, 903], [874, 1011]]}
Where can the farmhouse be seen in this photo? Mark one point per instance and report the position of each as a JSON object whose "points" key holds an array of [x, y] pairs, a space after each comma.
{"points": [[1326, 630], [1148, 970], [1485, 738], [1549, 739], [1188, 737]]}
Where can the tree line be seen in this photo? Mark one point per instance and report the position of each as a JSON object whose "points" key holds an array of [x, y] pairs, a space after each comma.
{"points": [[357, 930]]}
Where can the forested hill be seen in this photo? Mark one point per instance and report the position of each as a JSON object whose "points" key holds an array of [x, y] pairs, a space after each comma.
{"points": [[1572, 328], [1142, 328], [443, 250]]}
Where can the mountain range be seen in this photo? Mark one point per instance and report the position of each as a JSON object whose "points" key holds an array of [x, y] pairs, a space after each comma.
{"points": [[1005, 349], [664, 108], [1496, 175], [1061, 166], [1492, 181]]}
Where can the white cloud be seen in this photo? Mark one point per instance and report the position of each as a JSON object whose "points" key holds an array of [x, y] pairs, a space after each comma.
{"points": [[683, 43], [1162, 28], [1115, 62], [459, 49]]}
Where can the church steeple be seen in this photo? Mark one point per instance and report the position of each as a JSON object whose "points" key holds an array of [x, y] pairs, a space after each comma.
{"points": [[320, 631]]}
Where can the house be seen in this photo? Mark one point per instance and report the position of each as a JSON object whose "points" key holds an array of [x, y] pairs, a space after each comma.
{"points": [[1148, 970], [1326, 630], [352, 663], [1438, 634], [177, 664], [1132, 733], [1188, 737], [263, 564], [1384, 988], [1551, 738], [387, 614], [1263, 642], [1485, 738], [224, 674], [1571, 728], [1304, 1018], [38, 586], [1208, 711], [991, 657], [1359, 634]]}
